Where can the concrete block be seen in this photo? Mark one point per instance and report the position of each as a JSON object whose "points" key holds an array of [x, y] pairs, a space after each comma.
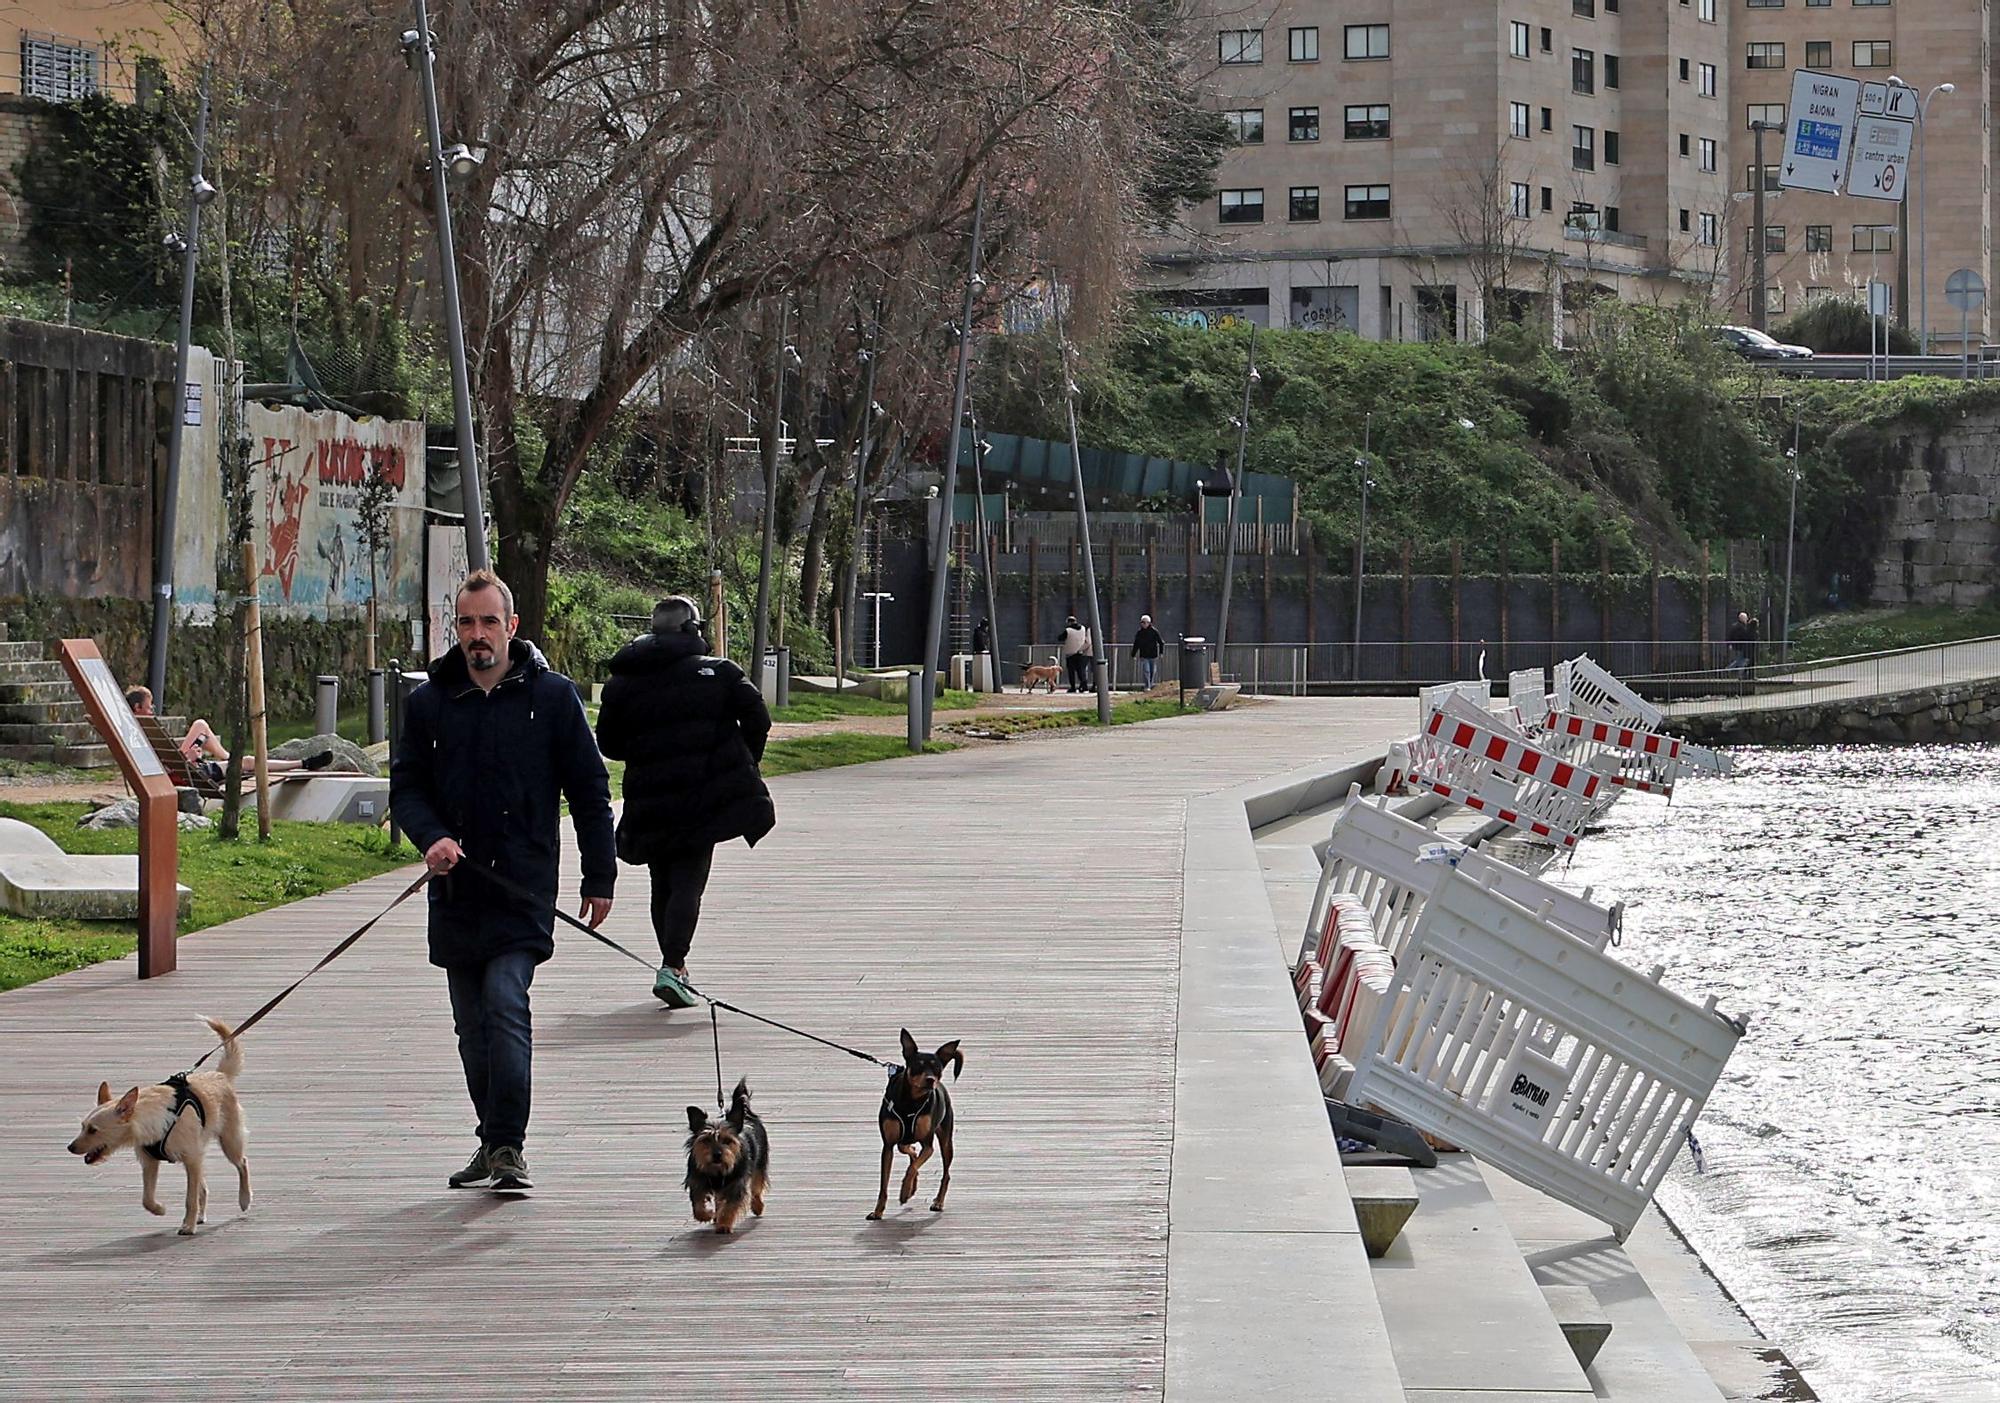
{"points": [[18, 839], [1582, 1320], [1966, 506], [330, 799], [76, 888], [1384, 1197]]}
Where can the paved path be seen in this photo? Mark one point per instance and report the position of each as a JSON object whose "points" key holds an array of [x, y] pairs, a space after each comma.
{"points": [[1024, 897], [1948, 664]]}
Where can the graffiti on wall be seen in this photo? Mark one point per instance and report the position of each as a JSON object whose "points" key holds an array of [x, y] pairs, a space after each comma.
{"points": [[309, 469], [446, 570]]}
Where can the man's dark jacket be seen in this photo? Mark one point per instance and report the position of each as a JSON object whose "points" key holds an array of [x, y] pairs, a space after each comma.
{"points": [[691, 730], [1147, 643], [490, 769]]}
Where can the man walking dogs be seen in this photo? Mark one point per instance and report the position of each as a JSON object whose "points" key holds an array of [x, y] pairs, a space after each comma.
{"points": [[691, 729], [490, 746]]}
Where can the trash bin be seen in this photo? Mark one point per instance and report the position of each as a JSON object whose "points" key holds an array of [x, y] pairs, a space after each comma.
{"points": [[1193, 664]]}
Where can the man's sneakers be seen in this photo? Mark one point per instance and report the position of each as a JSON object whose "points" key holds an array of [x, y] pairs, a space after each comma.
{"points": [[670, 988], [510, 1171], [317, 762], [475, 1173]]}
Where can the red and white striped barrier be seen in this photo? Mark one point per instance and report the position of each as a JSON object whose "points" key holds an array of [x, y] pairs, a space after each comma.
{"points": [[1477, 759]]}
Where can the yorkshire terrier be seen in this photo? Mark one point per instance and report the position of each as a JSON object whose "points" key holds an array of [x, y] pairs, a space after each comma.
{"points": [[916, 1110], [729, 1162]]}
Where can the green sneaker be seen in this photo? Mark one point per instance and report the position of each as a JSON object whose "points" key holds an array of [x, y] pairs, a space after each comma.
{"points": [[670, 989], [510, 1171], [476, 1172]]}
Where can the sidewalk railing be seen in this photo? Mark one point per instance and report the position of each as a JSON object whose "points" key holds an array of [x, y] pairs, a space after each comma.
{"points": [[1885, 673]]}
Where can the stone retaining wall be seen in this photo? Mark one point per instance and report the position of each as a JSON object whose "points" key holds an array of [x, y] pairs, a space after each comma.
{"points": [[1968, 712]]}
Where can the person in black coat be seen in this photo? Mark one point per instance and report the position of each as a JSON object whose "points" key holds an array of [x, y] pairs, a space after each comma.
{"points": [[691, 730], [489, 747], [1147, 645]]}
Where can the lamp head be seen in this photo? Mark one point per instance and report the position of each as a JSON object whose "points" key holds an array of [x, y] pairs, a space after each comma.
{"points": [[203, 191], [461, 160]]}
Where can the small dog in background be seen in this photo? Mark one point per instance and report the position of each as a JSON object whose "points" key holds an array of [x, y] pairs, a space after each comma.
{"points": [[1040, 673], [173, 1123], [729, 1162], [916, 1109]]}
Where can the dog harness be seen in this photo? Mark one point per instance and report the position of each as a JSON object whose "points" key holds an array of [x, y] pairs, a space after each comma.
{"points": [[183, 1098], [906, 1123]]}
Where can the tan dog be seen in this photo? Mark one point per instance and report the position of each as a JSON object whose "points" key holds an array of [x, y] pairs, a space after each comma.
{"points": [[1032, 677], [174, 1124]]}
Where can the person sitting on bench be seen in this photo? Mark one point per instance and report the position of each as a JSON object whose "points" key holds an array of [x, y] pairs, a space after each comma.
{"points": [[202, 747]]}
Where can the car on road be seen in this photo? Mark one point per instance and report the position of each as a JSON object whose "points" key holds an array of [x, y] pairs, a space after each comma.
{"points": [[1753, 344]]}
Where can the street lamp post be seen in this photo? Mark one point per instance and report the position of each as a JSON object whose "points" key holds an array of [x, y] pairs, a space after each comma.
{"points": [[1242, 424], [200, 192], [1361, 546], [1791, 525], [1757, 295], [869, 409], [787, 358], [420, 49], [1923, 224], [1100, 653]]}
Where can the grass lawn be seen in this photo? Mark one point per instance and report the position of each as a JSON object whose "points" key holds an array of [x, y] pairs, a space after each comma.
{"points": [[789, 757], [228, 880], [1123, 713], [1841, 635], [821, 706]]}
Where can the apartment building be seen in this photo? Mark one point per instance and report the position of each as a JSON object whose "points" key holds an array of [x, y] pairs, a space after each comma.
{"points": [[1401, 166], [62, 50], [1830, 246]]}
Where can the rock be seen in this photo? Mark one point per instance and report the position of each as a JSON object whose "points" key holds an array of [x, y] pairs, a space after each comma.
{"points": [[190, 822], [346, 754], [123, 814]]}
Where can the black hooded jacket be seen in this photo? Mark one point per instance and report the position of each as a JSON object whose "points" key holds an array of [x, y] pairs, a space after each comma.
{"points": [[691, 730], [491, 769]]}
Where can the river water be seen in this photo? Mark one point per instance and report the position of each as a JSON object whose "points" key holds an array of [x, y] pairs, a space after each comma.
{"points": [[1848, 901]]}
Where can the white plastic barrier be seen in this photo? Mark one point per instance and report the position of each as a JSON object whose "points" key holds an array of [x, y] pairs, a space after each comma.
{"points": [[1478, 695], [1548, 1059], [1627, 756], [1585, 689], [1483, 762], [1528, 695]]}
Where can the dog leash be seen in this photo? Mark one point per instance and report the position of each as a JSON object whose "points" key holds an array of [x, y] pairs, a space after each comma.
{"points": [[328, 958], [508, 884]]}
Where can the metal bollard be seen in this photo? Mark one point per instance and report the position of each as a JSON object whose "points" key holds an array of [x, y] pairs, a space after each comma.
{"points": [[784, 688], [377, 707], [326, 706], [916, 709]]}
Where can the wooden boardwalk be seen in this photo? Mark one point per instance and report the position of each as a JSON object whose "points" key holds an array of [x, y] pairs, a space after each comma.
{"points": [[1024, 898]]}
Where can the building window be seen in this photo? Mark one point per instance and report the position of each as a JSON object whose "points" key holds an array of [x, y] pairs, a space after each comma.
{"points": [[1816, 294], [1583, 9], [1517, 39], [1582, 71], [1774, 300], [1684, 221], [1767, 4], [1705, 11], [1709, 235], [1242, 206], [1819, 53], [1518, 200], [1611, 148], [1770, 179], [1770, 114], [1246, 125], [1860, 4], [1684, 144], [1305, 44], [1705, 80], [1871, 53], [1611, 70], [1684, 70], [1517, 120], [1240, 45], [1304, 204], [1583, 148], [1548, 119], [1819, 238], [1548, 40], [1707, 149], [1874, 238], [1774, 239], [1368, 122], [1303, 124], [1583, 215], [1763, 55], [1367, 202], [56, 71], [1819, 4], [1367, 41], [1548, 199], [1611, 218]]}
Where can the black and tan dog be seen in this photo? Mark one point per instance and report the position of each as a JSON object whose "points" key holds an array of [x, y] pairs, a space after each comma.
{"points": [[729, 1162], [916, 1110]]}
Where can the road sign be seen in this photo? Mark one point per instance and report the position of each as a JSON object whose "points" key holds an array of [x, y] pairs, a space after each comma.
{"points": [[1889, 100], [1965, 289], [1878, 299], [1881, 156], [1821, 131]]}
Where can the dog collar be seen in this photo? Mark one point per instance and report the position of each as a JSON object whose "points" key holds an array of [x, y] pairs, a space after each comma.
{"points": [[183, 1098]]}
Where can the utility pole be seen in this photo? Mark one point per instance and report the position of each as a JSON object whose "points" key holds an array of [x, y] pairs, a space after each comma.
{"points": [[850, 604], [941, 554], [1791, 527], [472, 502], [1100, 659], [980, 447], [1757, 308], [761, 626], [1362, 465], [200, 192], [1250, 378]]}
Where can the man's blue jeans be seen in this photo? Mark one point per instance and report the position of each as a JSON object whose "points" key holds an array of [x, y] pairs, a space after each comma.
{"points": [[489, 1011], [1149, 672]]}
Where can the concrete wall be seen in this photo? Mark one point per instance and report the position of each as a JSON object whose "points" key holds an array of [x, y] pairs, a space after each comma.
{"points": [[1965, 712]]}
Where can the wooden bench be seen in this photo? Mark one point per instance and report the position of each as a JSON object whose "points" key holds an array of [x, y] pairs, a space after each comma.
{"points": [[1384, 1197]]}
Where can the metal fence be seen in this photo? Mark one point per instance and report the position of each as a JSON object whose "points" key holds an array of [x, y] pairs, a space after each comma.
{"points": [[1886, 673], [1304, 669]]}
